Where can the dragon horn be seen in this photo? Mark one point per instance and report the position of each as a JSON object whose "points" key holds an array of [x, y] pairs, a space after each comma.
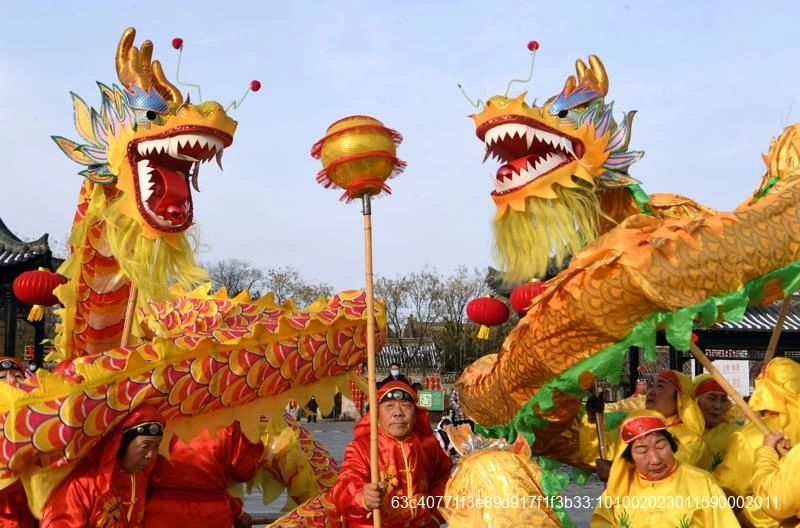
{"points": [[580, 69], [134, 67], [600, 73], [593, 76], [166, 88]]}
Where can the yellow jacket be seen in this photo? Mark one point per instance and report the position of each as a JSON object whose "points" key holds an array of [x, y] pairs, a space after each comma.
{"points": [[688, 497], [716, 440]]}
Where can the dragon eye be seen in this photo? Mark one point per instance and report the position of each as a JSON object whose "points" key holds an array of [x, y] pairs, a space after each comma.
{"points": [[562, 114], [151, 115]]}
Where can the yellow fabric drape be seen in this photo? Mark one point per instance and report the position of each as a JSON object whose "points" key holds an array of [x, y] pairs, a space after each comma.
{"points": [[774, 482], [776, 391]]}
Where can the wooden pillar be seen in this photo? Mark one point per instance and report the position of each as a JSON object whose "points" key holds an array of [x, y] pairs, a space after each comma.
{"points": [[675, 359], [633, 368], [698, 368], [10, 345]]}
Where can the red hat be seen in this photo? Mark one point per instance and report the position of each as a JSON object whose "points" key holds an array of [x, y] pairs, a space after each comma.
{"points": [[670, 377], [641, 425], [709, 385], [397, 385]]}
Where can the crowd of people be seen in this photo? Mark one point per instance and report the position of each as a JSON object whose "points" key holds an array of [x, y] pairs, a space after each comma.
{"points": [[683, 456]]}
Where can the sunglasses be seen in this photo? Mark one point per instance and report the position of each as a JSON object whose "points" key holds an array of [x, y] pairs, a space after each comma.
{"points": [[7, 364], [397, 394]]}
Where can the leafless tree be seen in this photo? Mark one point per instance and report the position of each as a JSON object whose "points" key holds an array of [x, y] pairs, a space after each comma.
{"points": [[236, 275], [287, 283]]}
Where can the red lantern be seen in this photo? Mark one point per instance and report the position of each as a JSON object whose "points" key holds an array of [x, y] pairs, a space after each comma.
{"points": [[487, 311], [36, 288], [523, 295]]}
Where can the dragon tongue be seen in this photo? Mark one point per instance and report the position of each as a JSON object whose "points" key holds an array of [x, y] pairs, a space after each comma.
{"points": [[170, 199]]}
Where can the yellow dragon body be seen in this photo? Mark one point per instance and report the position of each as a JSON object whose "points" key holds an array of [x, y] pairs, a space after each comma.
{"points": [[621, 265]]}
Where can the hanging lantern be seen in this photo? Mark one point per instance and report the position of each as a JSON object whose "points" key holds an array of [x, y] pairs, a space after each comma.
{"points": [[36, 288], [523, 295], [487, 311], [358, 154]]}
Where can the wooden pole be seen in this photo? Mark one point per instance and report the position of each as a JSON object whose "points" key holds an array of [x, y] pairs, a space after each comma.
{"points": [[371, 376], [129, 316], [732, 393], [600, 427], [776, 332]]}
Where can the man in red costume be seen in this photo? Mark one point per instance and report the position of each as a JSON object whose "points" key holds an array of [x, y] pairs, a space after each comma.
{"points": [[108, 488], [413, 468], [191, 488], [14, 512]]}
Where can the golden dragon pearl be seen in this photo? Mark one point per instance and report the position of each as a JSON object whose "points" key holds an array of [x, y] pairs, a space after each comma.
{"points": [[359, 154]]}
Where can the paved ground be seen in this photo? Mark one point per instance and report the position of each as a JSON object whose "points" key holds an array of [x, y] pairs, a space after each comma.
{"points": [[336, 435]]}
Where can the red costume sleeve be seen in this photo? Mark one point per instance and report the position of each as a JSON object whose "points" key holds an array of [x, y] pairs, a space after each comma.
{"points": [[70, 505], [243, 455], [348, 492], [14, 510]]}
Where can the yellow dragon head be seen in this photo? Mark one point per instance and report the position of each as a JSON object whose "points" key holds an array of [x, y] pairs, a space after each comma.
{"points": [[143, 149], [556, 158]]}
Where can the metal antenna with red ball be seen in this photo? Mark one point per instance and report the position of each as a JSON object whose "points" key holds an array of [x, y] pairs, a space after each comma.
{"points": [[532, 47], [254, 86], [177, 43]]}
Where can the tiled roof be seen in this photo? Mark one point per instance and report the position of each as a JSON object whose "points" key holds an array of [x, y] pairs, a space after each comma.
{"points": [[409, 356], [763, 319], [14, 251]]}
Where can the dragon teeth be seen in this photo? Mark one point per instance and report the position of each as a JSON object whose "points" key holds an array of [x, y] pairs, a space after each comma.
{"points": [[172, 145], [514, 130], [144, 170]]}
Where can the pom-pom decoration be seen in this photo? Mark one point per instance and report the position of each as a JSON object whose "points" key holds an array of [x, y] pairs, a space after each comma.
{"points": [[358, 155], [36, 289]]}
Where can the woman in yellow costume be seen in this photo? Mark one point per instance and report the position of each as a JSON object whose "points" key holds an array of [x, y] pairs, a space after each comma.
{"points": [[776, 394], [774, 480], [650, 487], [719, 414], [671, 395]]}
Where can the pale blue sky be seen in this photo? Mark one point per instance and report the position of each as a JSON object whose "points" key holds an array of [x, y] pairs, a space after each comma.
{"points": [[712, 84]]}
